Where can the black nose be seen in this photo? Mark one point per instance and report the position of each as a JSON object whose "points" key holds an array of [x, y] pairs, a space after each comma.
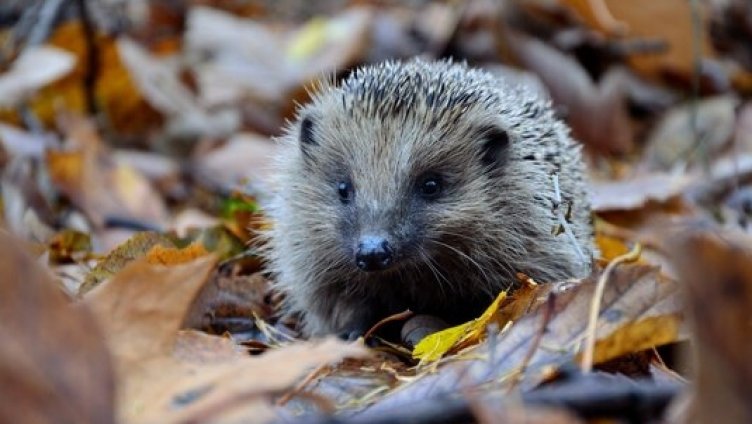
{"points": [[374, 254]]}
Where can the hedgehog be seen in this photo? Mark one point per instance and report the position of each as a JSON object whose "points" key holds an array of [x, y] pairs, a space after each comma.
{"points": [[422, 185]]}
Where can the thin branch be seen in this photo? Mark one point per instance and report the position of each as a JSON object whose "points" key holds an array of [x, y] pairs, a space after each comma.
{"points": [[595, 305]]}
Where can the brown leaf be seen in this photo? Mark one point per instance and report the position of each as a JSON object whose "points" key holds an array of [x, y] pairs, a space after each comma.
{"points": [[133, 310], [53, 364], [167, 376], [715, 268]]}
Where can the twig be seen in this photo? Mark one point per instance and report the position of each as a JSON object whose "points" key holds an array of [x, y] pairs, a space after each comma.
{"points": [[563, 221], [395, 317], [595, 305]]}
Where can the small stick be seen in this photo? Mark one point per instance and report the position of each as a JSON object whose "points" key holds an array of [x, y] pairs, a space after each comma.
{"points": [[395, 317], [595, 305]]}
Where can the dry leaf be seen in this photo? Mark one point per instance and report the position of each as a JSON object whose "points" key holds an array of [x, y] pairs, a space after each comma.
{"points": [[669, 21], [135, 247], [54, 366]]}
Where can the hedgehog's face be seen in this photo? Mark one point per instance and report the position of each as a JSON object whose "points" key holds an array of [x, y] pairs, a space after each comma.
{"points": [[394, 192]]}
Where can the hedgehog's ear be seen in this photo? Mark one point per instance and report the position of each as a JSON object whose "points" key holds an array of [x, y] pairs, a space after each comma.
{"points": [[495, 145], [306, 132], [306, 135]]}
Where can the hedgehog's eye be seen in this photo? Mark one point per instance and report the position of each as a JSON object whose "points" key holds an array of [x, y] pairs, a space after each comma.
{"points": [[430, 187], [345, 191]]}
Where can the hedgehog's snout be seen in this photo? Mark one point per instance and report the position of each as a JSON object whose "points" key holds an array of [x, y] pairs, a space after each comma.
{"points": [[374, 253]]}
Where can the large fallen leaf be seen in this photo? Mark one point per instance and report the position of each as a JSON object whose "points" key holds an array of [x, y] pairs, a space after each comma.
{"points": [[54, 366], [141, 310]]}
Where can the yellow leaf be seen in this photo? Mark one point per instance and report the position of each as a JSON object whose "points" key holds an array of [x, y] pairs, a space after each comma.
{"points": [[438, 344]]}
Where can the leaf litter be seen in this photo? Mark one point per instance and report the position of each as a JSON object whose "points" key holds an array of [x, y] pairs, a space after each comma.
{"points": [[131, 293]]}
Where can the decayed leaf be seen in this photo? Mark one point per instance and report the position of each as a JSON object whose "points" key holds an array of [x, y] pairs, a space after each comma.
{"points": [[35, 68], [53, 364], [135, 247], [115, 94], [247, 59], [161, 384], [231, 301], [20, 143], [161, 86]]}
